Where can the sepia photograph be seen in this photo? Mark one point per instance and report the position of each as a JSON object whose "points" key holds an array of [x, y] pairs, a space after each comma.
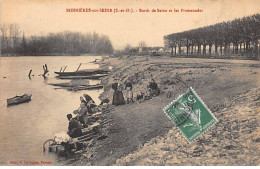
{"points": [[129, 83]]}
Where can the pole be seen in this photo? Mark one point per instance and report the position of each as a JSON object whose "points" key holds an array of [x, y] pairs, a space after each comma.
{"points": [[78, 67], [64, 68], [30, 73]]}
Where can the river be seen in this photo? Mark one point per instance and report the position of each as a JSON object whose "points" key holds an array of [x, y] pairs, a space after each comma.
{"points": [[24, 127]]}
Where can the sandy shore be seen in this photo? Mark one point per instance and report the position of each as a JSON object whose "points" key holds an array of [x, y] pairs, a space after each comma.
{"points": [[141, 134]]}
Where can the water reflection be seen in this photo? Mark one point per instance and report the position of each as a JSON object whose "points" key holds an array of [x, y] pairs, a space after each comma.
{"points": [[45, 79]]}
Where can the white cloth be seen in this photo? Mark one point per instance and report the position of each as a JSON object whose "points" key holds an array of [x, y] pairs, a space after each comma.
{"points": [[62, 137]]}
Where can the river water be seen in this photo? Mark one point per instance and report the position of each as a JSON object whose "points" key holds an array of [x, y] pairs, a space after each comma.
{"points": [[24, 127]]}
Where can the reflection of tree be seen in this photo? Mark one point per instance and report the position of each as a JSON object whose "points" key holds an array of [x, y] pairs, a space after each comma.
{"points": [[45, 79]]}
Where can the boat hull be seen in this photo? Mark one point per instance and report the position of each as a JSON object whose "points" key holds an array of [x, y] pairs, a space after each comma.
{"points": [[18, 100], [83, 77], [91, 87], [83, 73]]}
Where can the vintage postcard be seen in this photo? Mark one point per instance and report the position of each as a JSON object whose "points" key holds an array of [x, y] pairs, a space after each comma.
{"points": [[129, 83]]}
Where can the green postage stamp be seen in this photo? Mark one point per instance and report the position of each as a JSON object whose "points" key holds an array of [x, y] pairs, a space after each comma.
{"points": [[189, 113]]}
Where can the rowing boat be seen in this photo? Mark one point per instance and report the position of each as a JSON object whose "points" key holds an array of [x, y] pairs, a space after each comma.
{"points": [[98, 76], [19, 99], [90, 87], [86, 72]]}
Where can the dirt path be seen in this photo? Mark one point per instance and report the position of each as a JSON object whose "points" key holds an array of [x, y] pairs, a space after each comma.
{"points": [[133, 125], [216, 81]]}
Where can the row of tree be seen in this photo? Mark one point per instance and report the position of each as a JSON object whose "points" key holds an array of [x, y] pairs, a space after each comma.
{"points": [[237, 37], [14, 42]]}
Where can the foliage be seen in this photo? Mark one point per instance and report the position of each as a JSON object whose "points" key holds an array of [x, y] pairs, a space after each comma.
{"points": [[244, 31], [68, 43]]}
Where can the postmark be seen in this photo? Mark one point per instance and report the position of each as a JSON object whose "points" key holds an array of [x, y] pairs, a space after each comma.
{"points": [[190, 114]]}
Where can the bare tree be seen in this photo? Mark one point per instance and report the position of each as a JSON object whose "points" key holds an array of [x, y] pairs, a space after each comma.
{"points": [[3, 29], [74, 43], [142, 44], [128, 47], [16, 35]]}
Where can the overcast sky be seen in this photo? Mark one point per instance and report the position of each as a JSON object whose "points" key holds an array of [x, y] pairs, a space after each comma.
{"points": [[37, 17]]}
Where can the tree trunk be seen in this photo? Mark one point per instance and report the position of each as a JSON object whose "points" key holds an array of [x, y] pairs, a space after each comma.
{"points": [[233, 50], [244, 47], [171, 51], [256, 48], [187, 50], [175, 50], [216, 49], [229, 49], [204, 49], [192, 50], [45, 70], [247, 51], [199, 49], [179, 50], [210, 46], [225, 49], [221, 49], [236, 49]]}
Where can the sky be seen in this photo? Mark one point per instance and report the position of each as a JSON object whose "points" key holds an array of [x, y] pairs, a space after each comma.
{"points": [[39, 17]]}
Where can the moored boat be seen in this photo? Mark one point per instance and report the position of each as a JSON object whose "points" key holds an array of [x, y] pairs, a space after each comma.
{"points": [[19, 99], [84, 72], [90, 87], [97, 76]]}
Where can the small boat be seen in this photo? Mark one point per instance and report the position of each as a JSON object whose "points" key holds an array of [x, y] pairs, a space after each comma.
{"points": [[90, 87], [66, 85], [19, 99], [86, 72], [98, 76]]}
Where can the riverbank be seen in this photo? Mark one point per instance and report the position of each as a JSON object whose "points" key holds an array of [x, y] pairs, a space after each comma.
{"points": [[216, 81], [233, 141]]}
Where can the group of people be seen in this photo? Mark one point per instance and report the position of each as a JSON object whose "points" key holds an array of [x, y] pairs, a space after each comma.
{"points": [[86, 109], [89, 107], [118, 97]]}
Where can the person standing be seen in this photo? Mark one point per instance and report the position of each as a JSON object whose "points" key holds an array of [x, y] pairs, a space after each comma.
{"points": [[118, 98], [129, 93]]}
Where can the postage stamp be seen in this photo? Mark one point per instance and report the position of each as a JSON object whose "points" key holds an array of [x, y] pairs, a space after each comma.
{"points": [[189, 113]]}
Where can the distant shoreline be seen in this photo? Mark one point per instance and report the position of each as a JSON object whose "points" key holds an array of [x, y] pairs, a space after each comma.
{"points": [[54, 55]]}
